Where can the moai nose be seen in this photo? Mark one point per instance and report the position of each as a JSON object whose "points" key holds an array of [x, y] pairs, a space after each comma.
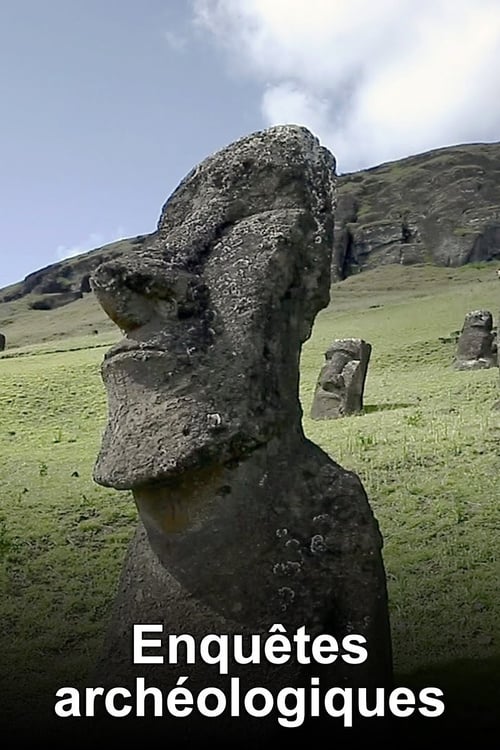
{"points": [[128, 289], [125, 306]]}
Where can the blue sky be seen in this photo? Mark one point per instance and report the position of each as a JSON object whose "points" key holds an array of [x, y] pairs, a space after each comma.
{"points": [[106, 104]]}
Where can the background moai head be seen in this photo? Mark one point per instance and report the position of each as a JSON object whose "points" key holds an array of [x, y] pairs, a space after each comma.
{"points": [[216, 309], [341, 382], [476, 346], [2, 342]]}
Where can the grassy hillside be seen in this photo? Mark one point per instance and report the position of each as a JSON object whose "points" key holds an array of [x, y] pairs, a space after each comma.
{"points": [[27, 330], [441, 207], [426, 449]]}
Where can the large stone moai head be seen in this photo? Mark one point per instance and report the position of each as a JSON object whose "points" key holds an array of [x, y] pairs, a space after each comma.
{"points": [[476, 346], [214, 312], [245, 522], [341, 382]]}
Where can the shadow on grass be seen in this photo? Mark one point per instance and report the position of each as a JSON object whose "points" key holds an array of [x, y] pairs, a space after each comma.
{"points": [[471, 691], [370, 408]]}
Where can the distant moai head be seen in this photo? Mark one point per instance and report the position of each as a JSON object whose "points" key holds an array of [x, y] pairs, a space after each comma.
{"points": [[476, 346], [478, 319], [2, 342], [214, 312], [341, 382]]}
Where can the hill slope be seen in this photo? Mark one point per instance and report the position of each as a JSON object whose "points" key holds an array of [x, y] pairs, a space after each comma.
{"points": [[426, 449], [55, 284], [440, 208]]}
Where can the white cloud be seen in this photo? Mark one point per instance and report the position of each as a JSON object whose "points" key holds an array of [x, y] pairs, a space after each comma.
{"points": [[374, 80], [175, 40], [93, 240]]}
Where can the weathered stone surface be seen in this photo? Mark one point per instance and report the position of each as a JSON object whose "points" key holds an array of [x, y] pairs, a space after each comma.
{"points": [[244, 522], [341, 382], [439, 207], [2, 342], [476, 346]]}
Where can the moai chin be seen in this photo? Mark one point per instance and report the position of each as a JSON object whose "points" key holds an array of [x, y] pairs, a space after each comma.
{"points": [[341, 382], [244, 522]]}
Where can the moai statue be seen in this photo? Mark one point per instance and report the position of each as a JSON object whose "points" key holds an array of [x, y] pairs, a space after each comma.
{"points": [[2, 342], [245, 524], [477, 345], [341, 382]]}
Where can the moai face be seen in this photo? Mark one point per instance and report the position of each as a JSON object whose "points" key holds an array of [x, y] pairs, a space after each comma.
{"points": [[215, 311], [476, 347], [479, 319], [340, 386]]}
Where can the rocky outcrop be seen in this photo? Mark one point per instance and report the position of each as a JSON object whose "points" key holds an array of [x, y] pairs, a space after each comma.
{"points": [[341, 383], [244, 523], [477, 345], [70, 276], [442, 207]]}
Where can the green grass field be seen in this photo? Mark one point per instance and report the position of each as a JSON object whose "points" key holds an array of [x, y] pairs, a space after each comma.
{"points": [[426, 449]]}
